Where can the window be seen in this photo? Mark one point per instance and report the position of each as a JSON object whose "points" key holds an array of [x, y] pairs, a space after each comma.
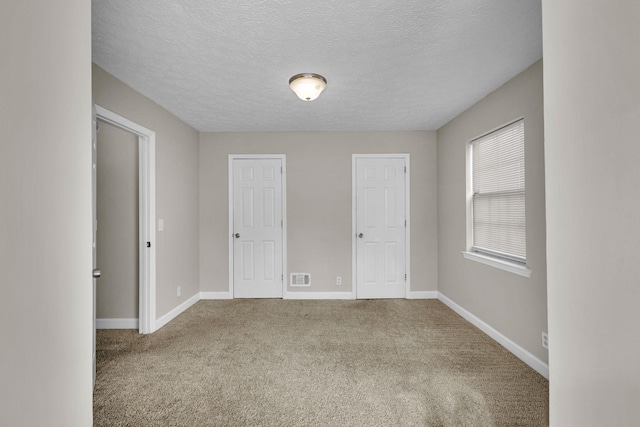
{"points": [[498, 200]]}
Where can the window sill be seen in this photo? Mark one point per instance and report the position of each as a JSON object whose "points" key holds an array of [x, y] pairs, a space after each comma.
{"points": [[512, 267]]}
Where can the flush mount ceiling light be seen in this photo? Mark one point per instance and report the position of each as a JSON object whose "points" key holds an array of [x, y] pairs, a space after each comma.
{"points": [[307, 86]]}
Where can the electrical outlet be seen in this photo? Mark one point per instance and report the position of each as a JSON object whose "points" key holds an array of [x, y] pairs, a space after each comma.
{"points": [[339, 281], [545, 340], [179, 291]]}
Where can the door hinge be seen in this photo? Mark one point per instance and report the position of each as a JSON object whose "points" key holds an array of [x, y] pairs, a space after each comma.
{"points": [[148, 244], [281, 170], [282, 278], [405, 277], [405, 169], [282, 223], [405, 222]]}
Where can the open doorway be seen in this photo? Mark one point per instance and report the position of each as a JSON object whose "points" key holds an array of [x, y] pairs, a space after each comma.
{"points": [[120, 127], [117, 233]]}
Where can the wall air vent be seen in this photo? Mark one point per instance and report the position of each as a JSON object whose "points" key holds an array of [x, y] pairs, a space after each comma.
{"points": [[300, 279]]}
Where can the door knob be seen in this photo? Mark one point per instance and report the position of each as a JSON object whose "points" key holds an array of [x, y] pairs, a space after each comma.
{"points": [[97, 273], [237, 235], [360, 235]]}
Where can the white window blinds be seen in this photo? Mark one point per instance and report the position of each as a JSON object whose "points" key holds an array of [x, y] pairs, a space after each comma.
{"points": [[499, 193]]}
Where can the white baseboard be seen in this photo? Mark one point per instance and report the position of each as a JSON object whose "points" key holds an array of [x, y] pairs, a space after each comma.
{"points": [[351, 295], [215, 295], [522, 354], [319, 295], [116, 323], [176, 311], [423, 295]]}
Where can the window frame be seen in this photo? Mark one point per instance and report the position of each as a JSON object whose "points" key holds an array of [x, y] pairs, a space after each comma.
{"points": [[507, 262]]}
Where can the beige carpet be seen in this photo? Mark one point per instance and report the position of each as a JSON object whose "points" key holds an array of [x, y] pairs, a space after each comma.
{"points": [[314, 363]]}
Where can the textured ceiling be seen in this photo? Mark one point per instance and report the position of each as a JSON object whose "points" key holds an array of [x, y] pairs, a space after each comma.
{"points": [[391, 65]]}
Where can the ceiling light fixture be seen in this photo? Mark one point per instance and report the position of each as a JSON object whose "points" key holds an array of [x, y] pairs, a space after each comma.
{"points": [[307, 86]]}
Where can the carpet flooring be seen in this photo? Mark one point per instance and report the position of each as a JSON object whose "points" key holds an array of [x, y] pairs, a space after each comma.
{"points": [[314, 363]]}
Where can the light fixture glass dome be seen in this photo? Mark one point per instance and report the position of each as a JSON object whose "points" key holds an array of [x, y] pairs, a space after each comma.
{"points": [[307, 86]]}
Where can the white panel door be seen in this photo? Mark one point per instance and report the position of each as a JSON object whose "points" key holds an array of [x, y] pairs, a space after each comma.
{"points": [[257, 228], [380, 228], [94, 226]]}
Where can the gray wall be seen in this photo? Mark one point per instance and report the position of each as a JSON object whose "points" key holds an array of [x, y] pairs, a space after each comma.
{"points": [[176, 187], [592, 117], [45, 214], [513, 305], [117, 214], [318, 202]]}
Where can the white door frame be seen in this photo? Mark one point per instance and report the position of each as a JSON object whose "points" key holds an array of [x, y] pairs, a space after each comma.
{"points": [[147, 215], [283, 158], [407, 199]]}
